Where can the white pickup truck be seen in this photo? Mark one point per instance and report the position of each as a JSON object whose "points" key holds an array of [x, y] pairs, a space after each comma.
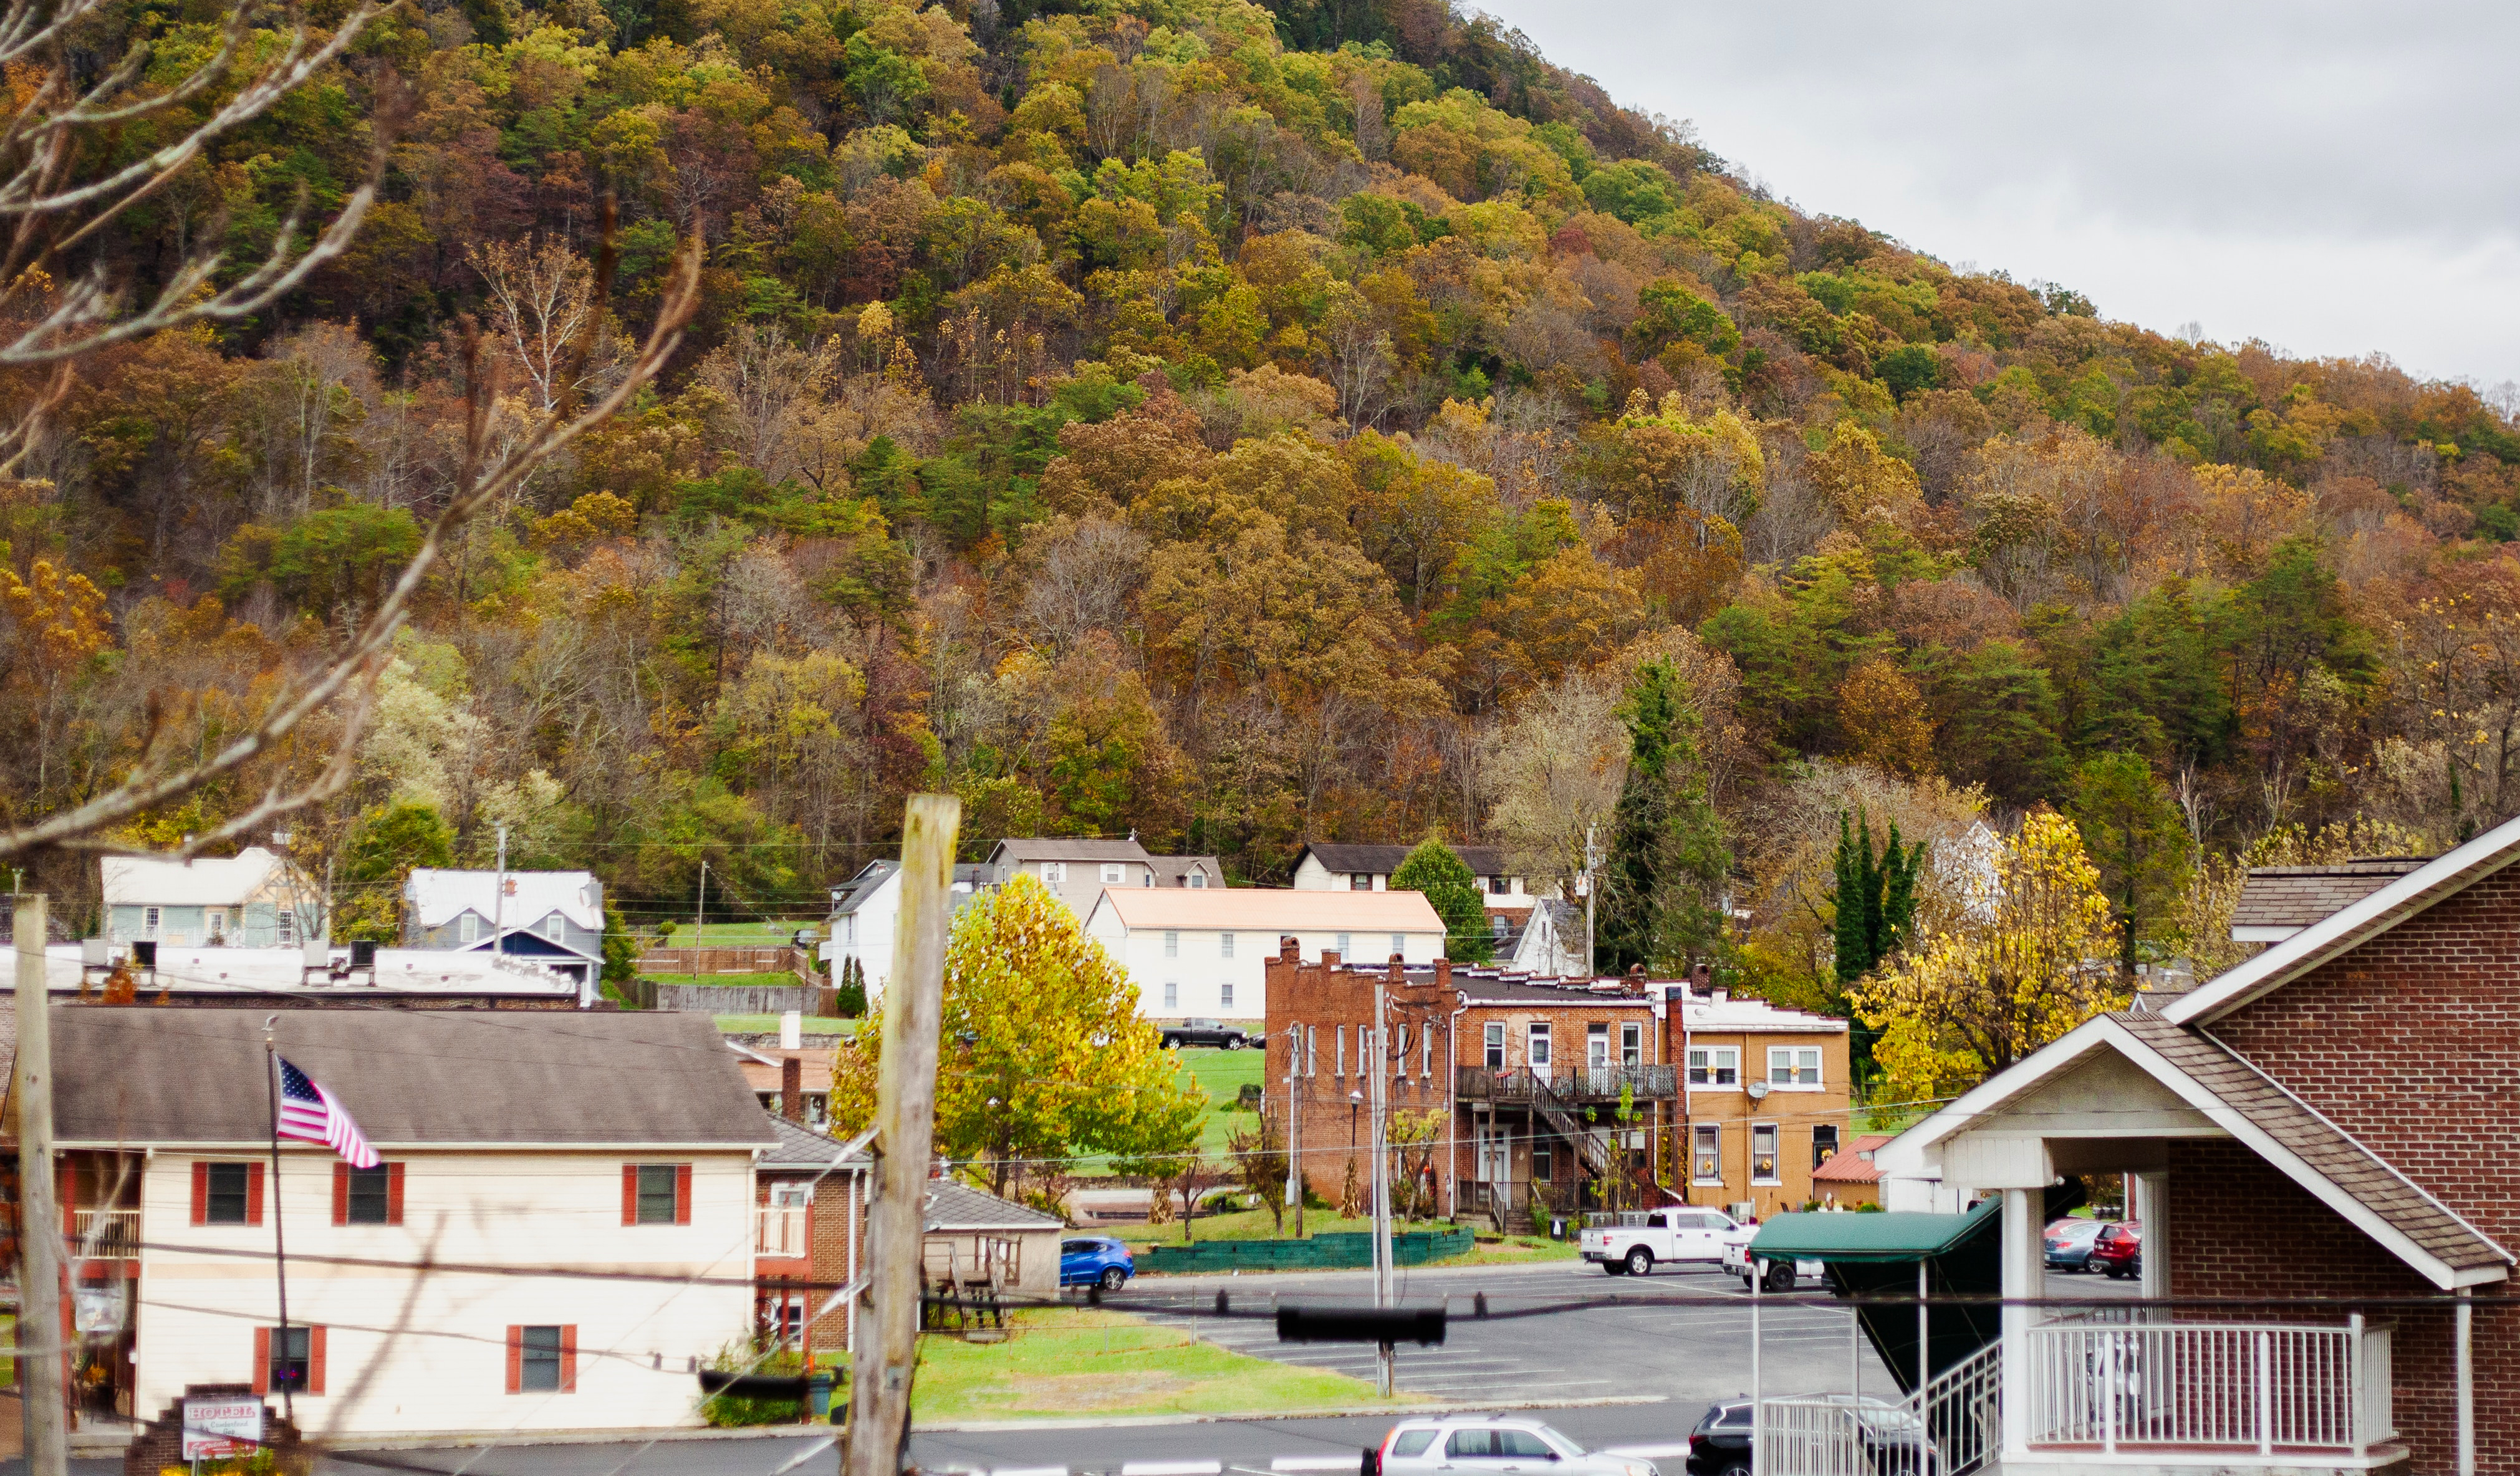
{"points": [[1629, 1242]]}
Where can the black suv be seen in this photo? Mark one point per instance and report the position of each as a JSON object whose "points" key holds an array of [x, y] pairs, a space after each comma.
{"points": [[1207, 1033]]}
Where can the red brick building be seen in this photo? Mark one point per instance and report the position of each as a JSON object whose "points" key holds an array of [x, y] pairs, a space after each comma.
{"points": [[1555, 1097], [2325, 1140]]}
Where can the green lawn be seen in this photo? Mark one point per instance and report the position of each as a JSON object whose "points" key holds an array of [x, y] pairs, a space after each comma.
{"points": [[769, 934], [763, 1024], [1060, 1362]]}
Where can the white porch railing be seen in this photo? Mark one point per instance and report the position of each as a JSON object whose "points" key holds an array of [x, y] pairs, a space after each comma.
{"points": [[1950, 1429], [2210, 1386], [780, 1231], [108, 1235]]}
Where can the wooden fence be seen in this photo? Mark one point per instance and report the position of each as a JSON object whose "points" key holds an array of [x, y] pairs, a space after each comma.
{"points": [[814, 1000], [782, 958]]}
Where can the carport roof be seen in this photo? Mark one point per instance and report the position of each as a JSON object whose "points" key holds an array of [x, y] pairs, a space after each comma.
{"points": [[1847, 1236]]}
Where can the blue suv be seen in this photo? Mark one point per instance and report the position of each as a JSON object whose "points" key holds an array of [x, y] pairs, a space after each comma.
{"points": [[1095, 1260]]}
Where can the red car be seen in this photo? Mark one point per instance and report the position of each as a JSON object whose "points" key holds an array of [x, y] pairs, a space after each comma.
{"points": [[2119, 1250]]}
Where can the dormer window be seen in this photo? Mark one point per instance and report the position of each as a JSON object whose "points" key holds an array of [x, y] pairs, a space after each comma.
{"points": [[1198, 880]]}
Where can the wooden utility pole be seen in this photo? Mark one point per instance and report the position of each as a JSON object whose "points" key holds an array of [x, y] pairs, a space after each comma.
{"points": [[39, 1217], [884, 1348]]}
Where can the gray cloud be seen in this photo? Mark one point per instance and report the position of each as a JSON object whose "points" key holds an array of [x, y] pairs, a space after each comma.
{"points": [[2333, 178]]}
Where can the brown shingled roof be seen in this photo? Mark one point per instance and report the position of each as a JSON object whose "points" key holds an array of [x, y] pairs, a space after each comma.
{"points": [[2297, 896], [2351, 1167]]}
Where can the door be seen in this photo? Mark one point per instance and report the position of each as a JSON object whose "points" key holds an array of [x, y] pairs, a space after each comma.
{"points": [[1538, 1050]]}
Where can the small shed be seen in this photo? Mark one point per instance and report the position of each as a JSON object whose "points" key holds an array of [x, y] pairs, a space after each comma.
{"points": [[970, 1233]]}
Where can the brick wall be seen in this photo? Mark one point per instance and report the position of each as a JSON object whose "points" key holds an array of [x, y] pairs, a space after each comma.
{"points": [[2259, 1234], [1327, 999]]}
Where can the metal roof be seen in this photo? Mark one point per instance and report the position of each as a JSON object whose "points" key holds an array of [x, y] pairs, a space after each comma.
{"points": [[438, 895], [1848, 1235]]}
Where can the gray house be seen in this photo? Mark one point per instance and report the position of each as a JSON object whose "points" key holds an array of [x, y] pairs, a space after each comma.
{"points": [[253, 899], [555, 919]]}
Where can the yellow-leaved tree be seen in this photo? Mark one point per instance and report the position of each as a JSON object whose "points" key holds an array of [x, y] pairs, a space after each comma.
{"points": [[2027, 954], [1042, 1056]]}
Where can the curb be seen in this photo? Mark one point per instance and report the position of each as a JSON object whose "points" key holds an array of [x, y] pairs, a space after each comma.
{"points": [[1249, 1416], [475, 1439]]}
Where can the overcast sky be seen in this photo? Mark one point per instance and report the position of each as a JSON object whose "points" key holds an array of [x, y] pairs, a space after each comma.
{"points": [[2334, 179]]}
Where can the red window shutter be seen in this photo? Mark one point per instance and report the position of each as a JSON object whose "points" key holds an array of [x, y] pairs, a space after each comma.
{"points": [[568, 1358], [201, 1192], [393, 1194], [315, 1359], [515, 1357], [341, 1194], [253, 1193], [682, 1193], [263, 1360], [629, 1193]]}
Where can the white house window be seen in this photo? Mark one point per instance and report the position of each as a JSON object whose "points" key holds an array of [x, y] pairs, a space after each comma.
{"points": [[1225, 944], [1714, 1065], [1053, 871], [1706, 1153], [1172, 994], [1596, 1046], [1763, 1153], [553, 927], [1113, 874], [288, 927], [1426, 1053], [1224, 996], [468, 928], [1631, 1044], [1172, 944], [1400, 943], [1537, 1046], [1342, 945], [1312, 1051], [149, 922], [1793, 1067], [1199, 880], [849, 931], [1338, 1063], [1496, 1046]]}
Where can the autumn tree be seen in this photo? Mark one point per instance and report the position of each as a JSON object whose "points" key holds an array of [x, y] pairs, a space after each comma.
{"points": [[2001, 979], [1261, 1162], [2138, 839], [1453, 890], [1046, 1056]]}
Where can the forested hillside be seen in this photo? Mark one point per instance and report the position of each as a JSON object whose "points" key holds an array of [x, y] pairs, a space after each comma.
{"points": [[1232, 424]]}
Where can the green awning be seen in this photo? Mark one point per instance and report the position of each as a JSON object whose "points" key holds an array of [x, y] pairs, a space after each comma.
{"points": [[1844, 1236]]}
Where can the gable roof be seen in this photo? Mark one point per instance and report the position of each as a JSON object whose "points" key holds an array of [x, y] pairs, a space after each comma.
{"points": [[801, 1147], [1854, 1163], [423, 1078], [439, 895], [2270, 1122], [2340, 932], [1174, 870], [858, 890], [203, 881], [1024, 848], [1271, 910], [1382, 860], [2277, 900], [955, 1206]]}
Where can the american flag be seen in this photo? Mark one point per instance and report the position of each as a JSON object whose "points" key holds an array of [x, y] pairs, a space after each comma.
{"points": [[308, 1111]]}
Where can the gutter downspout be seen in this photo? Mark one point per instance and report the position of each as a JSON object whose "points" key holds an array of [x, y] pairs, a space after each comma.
{"points": [[1452, 1101], [1687, 1124], [2467, 1383]]}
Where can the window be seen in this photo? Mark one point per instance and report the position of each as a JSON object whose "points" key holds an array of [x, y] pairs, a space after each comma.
{"points": [[1544, 1159], [1172, 944], [227, 1193], [367, 1196], [1360, 882], [1793, 1067], [791, 1196], [295, 1364], [542, 1359], [1400, 945], [656, 1194], [1412, 1442], [1053, 871], [1342, 945], [218, 921], [1338, 1066], [848, 937], [553, 926], [1114, 873], [1631, 1044], [1199, 881], [1496, 1046], [1225, 944], [1763, 1153], [149, 922], [1706, 1153], [1714, 1065], [1539, 1046], [1312, 1051], [288, 927], [1596, 1046], [1824, 1144], [1426, 1051], [1172, 995], [468, 928], [1224, 996]]}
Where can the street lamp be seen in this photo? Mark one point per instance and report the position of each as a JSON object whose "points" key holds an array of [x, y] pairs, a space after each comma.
{"points": [[1354, 1100]]}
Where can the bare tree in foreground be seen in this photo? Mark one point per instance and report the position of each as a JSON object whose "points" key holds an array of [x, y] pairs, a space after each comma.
{"points": [[54, 312]]}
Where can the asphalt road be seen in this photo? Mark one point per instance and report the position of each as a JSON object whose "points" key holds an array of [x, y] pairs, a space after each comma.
{"points": [[1664, 1347]]}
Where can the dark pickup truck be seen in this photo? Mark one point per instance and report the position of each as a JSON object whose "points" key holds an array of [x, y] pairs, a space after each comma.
{"points": [[1207, 1033]]}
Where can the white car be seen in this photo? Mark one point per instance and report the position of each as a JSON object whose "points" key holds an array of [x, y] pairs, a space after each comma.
{"points": [[1629, 1242], [1489, 1445], [1781, 1275]]}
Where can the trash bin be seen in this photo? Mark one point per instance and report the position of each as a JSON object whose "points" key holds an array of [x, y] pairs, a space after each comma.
{"points": [[818, 1393], [1556, 1227]]}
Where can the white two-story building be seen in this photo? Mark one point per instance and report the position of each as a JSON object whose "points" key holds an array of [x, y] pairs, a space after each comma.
{"points": [[563, 1224], [1199, 953]]}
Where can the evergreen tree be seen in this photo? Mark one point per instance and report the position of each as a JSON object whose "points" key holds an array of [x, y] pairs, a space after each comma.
{"points": [[1668, 858], [1453, 890], [1875, 903]]}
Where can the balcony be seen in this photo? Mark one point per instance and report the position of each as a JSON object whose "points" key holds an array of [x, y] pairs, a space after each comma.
{"points": [[2216, 1393], [779, 1231], [1584, 1084], [105, 1234]]}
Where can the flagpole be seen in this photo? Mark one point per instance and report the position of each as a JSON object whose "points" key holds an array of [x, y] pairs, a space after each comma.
{"points": [[279, 1245]]}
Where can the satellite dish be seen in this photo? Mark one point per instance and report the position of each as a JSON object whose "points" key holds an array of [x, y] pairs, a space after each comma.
{"points": [[1758, 1091]]}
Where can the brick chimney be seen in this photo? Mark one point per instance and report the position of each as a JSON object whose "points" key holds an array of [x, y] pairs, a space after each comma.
{"points": [[1635, 982], [791, 1089], [1701, 980], [1289, 950], [1443, 973]]}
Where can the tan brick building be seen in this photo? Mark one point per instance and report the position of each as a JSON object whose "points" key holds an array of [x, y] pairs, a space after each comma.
{"points": [[1557, 1096]]}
